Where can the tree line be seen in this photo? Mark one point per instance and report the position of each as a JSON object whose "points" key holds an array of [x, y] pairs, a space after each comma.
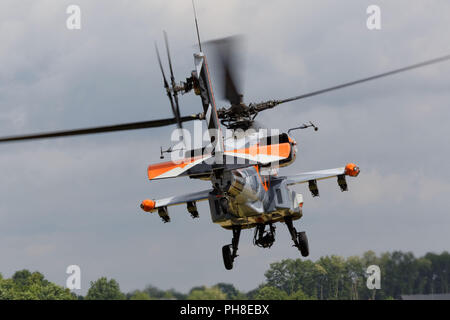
{"points": [[328, 278]]}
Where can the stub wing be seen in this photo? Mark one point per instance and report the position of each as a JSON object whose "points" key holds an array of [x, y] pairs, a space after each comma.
{"points": [[189, 199], [312, 177], [349, 170]]}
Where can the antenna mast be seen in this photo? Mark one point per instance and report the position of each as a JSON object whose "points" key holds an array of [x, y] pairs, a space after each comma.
{"points": [[196, 26]]}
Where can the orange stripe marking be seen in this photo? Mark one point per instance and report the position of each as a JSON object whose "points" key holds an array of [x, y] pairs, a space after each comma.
{"points": [[281, 150]]}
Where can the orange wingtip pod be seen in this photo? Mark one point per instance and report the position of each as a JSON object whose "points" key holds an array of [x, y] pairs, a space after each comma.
{"points": [[351, 170], [148, 205]]}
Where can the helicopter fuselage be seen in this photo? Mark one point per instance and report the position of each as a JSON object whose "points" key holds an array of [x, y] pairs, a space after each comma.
{"points": [[251, 198], [254, 195]]}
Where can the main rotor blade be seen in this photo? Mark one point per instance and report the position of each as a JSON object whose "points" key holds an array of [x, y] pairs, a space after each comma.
{"points": [[172, 78], [166, 84], [348, 84], [103, 129], [174, 106], [225, 50], [166, 40]]}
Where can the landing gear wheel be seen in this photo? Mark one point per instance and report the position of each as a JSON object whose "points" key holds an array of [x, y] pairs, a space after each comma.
{"points": [[303, 243], [229, 251], [227, 257]]}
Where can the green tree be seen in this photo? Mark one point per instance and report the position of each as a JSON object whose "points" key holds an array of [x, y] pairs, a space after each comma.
{"points": [[320, 274], [25, 285], [252, 293], [231, 291], [355, 282], [154, 292], [399, 273], [439, 274], [300, 295], [335, 276], [205, 293], [271, 293], [176, 295], [139, 295], [293, 275], [102, 289]]}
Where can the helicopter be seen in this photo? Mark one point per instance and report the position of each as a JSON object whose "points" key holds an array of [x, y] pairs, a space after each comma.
{"points": [[246, 189]]}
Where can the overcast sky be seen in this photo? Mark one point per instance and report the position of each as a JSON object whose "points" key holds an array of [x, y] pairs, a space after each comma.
{"points": [[76, 200]]}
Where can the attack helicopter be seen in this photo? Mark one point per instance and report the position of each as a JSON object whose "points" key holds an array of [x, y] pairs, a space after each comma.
{"points": [[243, 168]]}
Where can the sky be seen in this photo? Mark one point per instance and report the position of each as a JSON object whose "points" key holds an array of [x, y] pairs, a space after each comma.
{"points": [[76, 200]]}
